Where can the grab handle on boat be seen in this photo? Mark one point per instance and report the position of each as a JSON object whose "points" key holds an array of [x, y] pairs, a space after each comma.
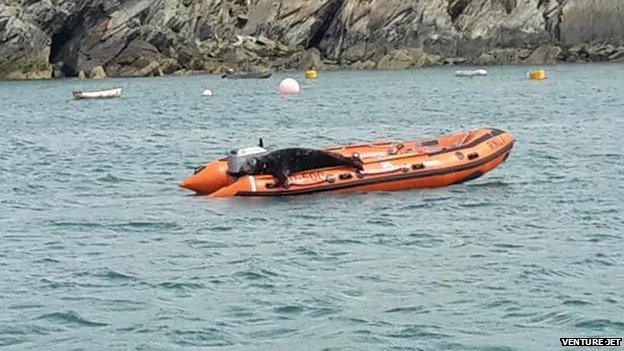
{"points": [[345, 176]]}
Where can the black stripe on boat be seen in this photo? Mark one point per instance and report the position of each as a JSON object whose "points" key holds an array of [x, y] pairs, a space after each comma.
{"points": [[492, 133]]}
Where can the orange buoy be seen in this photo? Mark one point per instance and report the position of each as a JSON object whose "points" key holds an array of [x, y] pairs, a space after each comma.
{"points": [[311, 74], [538, 74]]}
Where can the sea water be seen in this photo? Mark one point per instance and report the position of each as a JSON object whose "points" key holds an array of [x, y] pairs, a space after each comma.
{"points": [[101, 250]]}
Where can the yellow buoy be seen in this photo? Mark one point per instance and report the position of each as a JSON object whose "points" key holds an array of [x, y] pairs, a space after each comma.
{"points": [[311, 74], [537, 74]]}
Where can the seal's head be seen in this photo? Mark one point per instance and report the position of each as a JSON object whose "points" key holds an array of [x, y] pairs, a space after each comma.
{"points": [[252, 165], [245, 161]]}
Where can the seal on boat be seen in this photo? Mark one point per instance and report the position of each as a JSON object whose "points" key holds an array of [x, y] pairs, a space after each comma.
{"points": [[284, 162]]}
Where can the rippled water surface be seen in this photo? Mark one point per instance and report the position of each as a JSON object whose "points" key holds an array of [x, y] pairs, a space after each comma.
{"points": [[100, 250]]}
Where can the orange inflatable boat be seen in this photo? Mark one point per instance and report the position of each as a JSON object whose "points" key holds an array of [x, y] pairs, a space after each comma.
{"points": [[442, 161]]}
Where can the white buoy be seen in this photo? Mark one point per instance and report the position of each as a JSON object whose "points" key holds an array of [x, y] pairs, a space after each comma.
{"points": [[289, 86], [207, 92]]}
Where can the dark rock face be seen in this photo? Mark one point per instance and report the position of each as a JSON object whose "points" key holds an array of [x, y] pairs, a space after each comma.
{"points": [[590, 21], [42, 39], [24, 47]]}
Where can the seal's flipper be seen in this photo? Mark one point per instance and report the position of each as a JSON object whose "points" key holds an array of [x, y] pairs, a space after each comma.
{"points": [[354, 162], [282, 177], [357, 163]]}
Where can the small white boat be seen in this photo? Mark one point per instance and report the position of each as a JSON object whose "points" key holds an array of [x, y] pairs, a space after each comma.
{"points": [[471, 73], [97, 94]]}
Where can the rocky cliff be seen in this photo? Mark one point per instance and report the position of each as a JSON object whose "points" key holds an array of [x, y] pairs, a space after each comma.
{"points": [[55, 38]]}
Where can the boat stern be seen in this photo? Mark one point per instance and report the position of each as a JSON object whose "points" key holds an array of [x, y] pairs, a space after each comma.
{"points": [[208, 178]]}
